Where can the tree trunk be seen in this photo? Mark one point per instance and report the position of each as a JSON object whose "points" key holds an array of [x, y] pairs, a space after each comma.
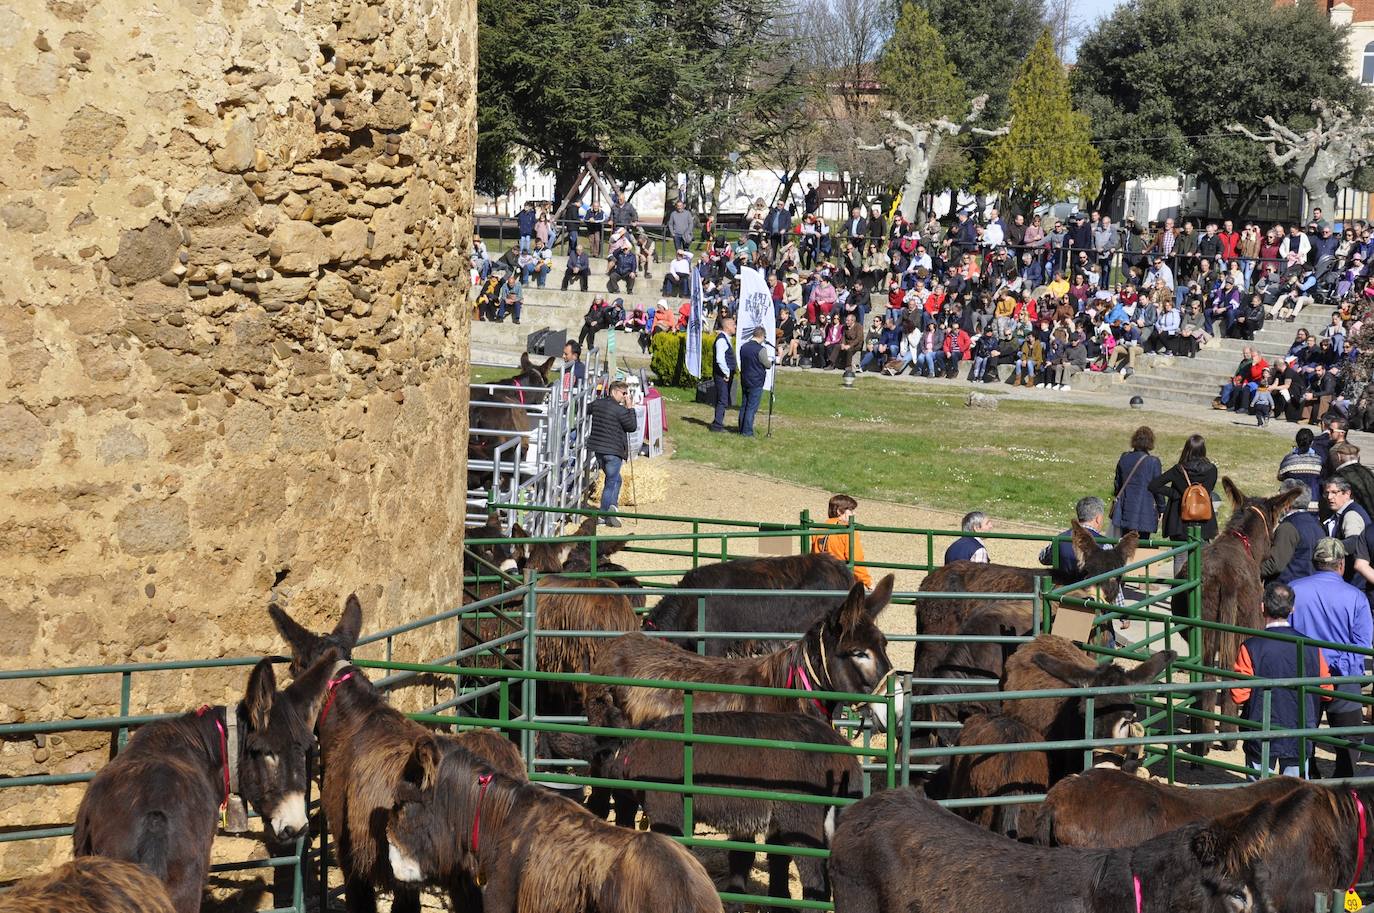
{"points": [[1110, 185], [918, 162]]}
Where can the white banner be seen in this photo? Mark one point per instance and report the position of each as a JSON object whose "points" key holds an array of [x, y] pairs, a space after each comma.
{"points": [[694, 327], [756, 309]]}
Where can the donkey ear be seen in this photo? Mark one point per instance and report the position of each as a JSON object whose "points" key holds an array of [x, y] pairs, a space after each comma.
{"points": [[310, 686], [423, 763], [1149, 670], [1280, 503], [1071, 674], [880, 597], [351, 624], [548, 366], [301, 640], [1127, 546], [1233, 842], [851, 613], [1235, 494], [262, 691], [1083, 542], [586, 528], [524, 361]]}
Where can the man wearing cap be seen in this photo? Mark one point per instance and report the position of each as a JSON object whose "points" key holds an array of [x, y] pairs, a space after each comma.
{"points": [[723, 366], [1327, 608]]}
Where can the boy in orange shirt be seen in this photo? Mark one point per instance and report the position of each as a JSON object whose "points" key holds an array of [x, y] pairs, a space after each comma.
{"points": [[841, 511]]}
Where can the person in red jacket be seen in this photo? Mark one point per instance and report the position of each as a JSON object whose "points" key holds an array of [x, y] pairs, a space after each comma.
{"points": [[957, 347], [1230, 241]]}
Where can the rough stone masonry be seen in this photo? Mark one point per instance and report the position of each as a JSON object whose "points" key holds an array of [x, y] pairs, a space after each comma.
{"points": [[233, 337]]}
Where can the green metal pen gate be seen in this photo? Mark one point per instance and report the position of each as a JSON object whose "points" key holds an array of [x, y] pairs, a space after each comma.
{"points": [[497, 673]]}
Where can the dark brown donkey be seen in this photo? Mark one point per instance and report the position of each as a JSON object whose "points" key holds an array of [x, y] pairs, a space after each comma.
{"points": [[456, 819], [898, 850], [92, 884], [843, 651], [496, 410], [158, 802], [1324, 846], [1232, 589], [812, 773], [1103, 807], [945, 616], [364, 746]]}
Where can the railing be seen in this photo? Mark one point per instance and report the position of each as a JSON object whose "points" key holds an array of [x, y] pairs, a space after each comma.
{"points": [[496, 663]]}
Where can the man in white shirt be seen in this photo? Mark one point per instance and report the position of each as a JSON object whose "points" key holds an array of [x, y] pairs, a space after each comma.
{"points": [[723, 365], [678, 279]]}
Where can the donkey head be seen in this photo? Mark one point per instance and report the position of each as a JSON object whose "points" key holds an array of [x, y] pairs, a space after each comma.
{"points": [[1113, 715], [277, 731], [532, 374], [1095, 559], [509, 557], [307, 647], [1240, 866], [420, 828], [855, 649], [1269, 511]]}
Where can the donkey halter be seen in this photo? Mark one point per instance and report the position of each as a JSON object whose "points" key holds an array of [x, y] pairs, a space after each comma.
{"points": [[1264, 524]]}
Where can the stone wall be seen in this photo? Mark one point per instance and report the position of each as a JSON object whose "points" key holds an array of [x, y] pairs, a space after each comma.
{"points": [[233, 335]]}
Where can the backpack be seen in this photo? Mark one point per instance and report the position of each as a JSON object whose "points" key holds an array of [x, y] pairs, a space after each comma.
{"points": [[1196, 506]]}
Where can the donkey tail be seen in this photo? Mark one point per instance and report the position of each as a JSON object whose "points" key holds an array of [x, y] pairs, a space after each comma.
{"points": [[151, 850]]}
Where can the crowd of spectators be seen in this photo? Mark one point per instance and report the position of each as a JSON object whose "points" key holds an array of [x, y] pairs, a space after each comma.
{"points": [[1042, 298]]}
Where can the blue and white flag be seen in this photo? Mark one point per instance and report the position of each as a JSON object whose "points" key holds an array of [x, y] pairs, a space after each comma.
{"points": [[755, 309], [694, 322]]}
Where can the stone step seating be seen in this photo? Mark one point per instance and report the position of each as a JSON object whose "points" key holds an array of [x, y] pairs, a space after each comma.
{"points": [[1197, 380]]}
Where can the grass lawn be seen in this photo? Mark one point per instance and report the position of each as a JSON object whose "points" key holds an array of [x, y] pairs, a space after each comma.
{"points": [[1026, 461]]}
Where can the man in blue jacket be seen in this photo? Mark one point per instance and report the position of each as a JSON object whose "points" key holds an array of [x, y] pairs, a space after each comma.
{"points": [[1090, 512], [1327, 608], [624, 266], [525, 222], [579, 266], [754, 360]]}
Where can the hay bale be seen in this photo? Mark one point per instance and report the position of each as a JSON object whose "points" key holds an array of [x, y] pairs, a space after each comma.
{"points": [[650, 483]]}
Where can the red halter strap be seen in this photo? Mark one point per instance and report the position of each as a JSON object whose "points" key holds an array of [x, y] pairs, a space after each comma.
{"points": [[1139, 894], [1244, 540], [224, 753], [796, 672], [1362, 832], [483, 781], [334, 684], [520, 387]]}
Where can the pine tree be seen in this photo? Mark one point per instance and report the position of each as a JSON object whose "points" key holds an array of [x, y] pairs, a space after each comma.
{"points": [[1048, 153], [917, 78]]}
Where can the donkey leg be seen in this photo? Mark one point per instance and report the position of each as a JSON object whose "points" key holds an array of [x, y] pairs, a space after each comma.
{"points": [[626, 807], [359, 895], [738, 865], [405, 900]]}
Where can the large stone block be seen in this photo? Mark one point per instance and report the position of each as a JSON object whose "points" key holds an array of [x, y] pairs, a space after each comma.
{"points": [[298, 247]]}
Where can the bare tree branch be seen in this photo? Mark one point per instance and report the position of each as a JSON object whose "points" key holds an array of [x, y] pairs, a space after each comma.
{"points": [[1332, 150]]}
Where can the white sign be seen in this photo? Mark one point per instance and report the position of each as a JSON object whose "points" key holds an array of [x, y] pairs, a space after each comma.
{"points": [[755, 309]]}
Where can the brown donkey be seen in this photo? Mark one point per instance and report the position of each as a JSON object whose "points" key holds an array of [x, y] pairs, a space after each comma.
{"points": [[364, 746], [455, 819], [92, 884], [843, 651], [945, 616], [159, 801], [1232, 589]]}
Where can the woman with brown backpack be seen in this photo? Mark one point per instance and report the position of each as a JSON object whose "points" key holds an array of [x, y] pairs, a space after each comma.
{"points": [[1188, 488]]}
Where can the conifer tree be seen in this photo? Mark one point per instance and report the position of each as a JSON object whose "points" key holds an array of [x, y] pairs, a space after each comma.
{"points": [[1048, 154]]}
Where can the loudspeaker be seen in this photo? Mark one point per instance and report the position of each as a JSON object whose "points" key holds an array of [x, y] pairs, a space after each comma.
{"points": [[546, 342]]}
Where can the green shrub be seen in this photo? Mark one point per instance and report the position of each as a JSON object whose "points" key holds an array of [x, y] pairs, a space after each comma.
{"points": [[668, 359]]}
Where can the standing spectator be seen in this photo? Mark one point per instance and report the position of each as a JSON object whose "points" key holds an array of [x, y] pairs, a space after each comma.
{"points": [[1192, 467], [623, 213], [812, 200], [1345, 462], [612, 421], [1347, 519], [755, 357], [1334, 429], [574, 371], [681, 225], [525, 222], [840, 511], [1290, 554], [596, 227], [969, 547], [1304, 464], [1107, 240], [1134, 506], [777, 225], [723, 365], [1089, 512], [856, 229], [1327, 608], [877, 226], [1267, 657]]}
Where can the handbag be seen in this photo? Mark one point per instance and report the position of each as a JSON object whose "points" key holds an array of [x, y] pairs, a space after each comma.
{"points": [[1111, 510], [1196, 506]]}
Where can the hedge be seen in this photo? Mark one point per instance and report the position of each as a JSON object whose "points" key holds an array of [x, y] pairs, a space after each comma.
{"points": [[668, 359]]}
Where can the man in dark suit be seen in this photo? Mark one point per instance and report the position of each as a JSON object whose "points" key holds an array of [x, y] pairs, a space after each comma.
{"points": [[856, 229]]}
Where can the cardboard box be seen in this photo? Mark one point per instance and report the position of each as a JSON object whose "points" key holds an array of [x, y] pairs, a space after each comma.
{"points": [[777, 546], [1073, 623]]}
